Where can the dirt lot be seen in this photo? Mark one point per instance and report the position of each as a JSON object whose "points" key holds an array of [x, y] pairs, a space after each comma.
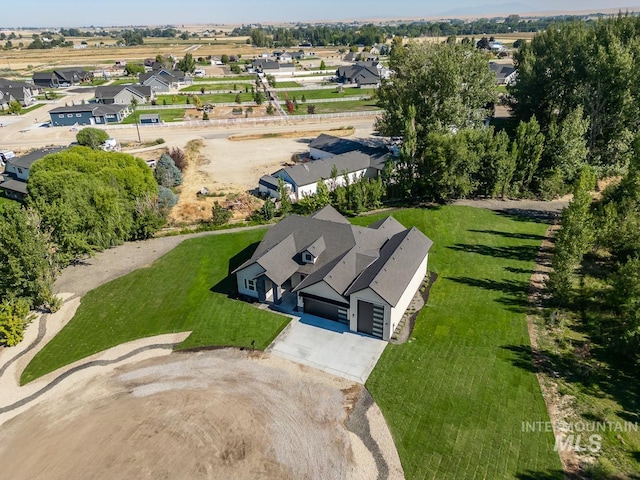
{"points": [[218, 414], [231, 166]]}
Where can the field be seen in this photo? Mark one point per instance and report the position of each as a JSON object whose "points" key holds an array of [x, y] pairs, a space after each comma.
{"points": [[166, 115], [336, 107], [323, 93]]}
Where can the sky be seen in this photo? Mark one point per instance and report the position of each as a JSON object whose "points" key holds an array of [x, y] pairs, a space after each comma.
{"points": [[76, 13]]}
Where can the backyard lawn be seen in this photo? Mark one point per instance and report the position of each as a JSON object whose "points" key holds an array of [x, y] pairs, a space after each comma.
{"points": [[325, 93], [184, 290], [166, 115], [456, 394], [336, 107]]}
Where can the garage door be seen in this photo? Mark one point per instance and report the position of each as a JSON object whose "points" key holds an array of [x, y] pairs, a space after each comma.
{"points": [[370, 318], [326, 310]]}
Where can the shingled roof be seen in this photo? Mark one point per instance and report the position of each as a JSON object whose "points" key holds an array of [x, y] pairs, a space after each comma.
{"points": [[349, 258]]}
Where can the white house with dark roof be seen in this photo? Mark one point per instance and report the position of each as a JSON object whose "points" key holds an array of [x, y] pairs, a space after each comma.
{"points": [[364, 277], [329, 154], [123, 94], [16, 173]]}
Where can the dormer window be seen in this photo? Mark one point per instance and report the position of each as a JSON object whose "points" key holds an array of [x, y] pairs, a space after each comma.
{"points": [[308, 258]]}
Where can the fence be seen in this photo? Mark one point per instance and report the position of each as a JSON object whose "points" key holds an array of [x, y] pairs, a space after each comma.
{"points": [[249, 121]]}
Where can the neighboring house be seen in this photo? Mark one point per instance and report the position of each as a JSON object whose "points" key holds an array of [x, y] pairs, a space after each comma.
{"points": [[89, 114], [20, 91], [351, 57], [304, 177], [362, 73], [61, 78], [328, 154], [5, 99], [299, 55], [163, 80], [16, 173], [364, 277], [123, 94], [264, 65], [150, 118], [505, 73]]}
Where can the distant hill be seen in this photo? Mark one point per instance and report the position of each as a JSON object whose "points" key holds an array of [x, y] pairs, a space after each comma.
{"points": [[488, 10]]}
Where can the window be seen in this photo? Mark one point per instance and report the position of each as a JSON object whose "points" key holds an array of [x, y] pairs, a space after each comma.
{"points": [[19, 170], [61, 115], [307, 258], [78, 114], [250, 284], [70, 115]]}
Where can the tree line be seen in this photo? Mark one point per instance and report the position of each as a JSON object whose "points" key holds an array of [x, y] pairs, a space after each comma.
{"points": [[340, 34], [81, 201]]}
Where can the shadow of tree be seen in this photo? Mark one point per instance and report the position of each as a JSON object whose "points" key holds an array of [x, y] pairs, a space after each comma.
{"points": [[524, 236], [547, 475], [526, 214], [516, 291], [227, 285], [595, 373], [525, 253]]}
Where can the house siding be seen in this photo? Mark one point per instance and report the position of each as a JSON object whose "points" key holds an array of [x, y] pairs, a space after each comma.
{"points": [[21, 173], [398, 311], [368, 295], [248, 273], [85, 118]]}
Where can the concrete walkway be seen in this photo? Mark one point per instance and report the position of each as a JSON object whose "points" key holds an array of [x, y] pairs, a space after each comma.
{"points": [[328, 346]]}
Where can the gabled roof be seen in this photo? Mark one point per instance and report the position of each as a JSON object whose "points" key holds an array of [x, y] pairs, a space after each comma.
{"points": [[15, 186], [312, 172], [383, 257], [391, 273], [27, 160], [109, 92], [337, 145]]}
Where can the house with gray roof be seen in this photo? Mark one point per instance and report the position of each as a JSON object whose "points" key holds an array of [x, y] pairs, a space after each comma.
{"points": [[350, 159], [123, 94], [16, 173], [505, 73], [88, 114], [61, 78], [20, 91], [364, 277]]}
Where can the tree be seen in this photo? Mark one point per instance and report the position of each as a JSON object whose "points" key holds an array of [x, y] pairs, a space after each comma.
{"points": [[323, 66], [311, 109], [134, 69], [167, 173], [449, 85], [575, 237], [91, 200], [220, 215], [224, 59], [91, 137], [134, 107], [238, 98], [285, 200], [565, 153], [187, 64], [179, 158], [527, 149], [271, 80], [258, 97], [13, 317], [28, 257], [15, 108], [270, 109]]}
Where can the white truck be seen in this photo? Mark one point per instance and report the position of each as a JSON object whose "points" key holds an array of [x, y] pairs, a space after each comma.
{"points": [[4, 156]]}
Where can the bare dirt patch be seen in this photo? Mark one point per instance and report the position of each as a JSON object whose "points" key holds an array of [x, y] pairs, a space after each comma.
{"points": [[336, 132], [217, 414]]}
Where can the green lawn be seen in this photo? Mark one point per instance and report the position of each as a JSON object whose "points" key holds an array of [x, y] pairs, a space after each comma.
{"points": [[213, 98], [166, 115], [215, 87], [125, 81], [335, 107], [181, 291], [326, 93], [25, 109], [229, 78], [456, 394], [289, 84]]}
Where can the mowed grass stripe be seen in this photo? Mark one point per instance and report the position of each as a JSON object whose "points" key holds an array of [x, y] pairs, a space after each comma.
{"points": [[455, 395], [173, 295]]}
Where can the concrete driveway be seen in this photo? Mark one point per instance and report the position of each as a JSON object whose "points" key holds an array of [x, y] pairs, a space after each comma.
{"points": [[328, 346]]}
